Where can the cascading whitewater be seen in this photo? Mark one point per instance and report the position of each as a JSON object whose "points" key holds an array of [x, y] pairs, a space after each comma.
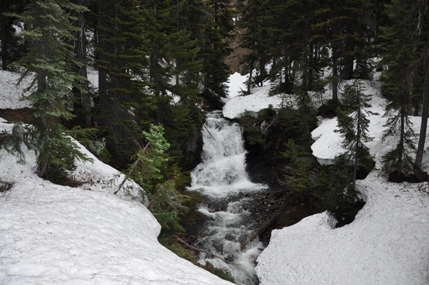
{"points": [[222, 179], [222, 171]]}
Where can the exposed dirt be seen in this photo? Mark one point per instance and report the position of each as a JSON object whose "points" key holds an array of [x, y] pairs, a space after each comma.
{"points": [[18, 115]]}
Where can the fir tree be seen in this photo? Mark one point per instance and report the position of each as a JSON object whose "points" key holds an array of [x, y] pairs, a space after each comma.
{"points": [[252, 21], [334, 189], [215, 48], [47, 30], [165, 202], [353, 125], [401, 44], [337, 27], [123, 104]]}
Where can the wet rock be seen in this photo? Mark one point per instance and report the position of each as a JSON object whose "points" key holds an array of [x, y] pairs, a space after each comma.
{"points": [[218, 245], [243, 238]]}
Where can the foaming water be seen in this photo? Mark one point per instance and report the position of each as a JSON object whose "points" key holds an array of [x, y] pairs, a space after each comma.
{"points": [[223, 168], [222, 179]]}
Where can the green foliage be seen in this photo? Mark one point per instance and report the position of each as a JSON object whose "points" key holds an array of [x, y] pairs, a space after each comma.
{"points": [[353, 125], [183, 123], [298, 124], [21, 135], [215, 46], [252, 131], [399, 159], [403, 41], [48, 61], [147, 162], [165, 201], [257, 126], [334, 189], [58, 153], [219, 272], [88, 138], [178, 249], [124, 104], [299, 169]]}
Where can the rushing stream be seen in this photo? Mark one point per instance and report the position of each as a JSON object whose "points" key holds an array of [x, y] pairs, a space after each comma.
{"points": [[222, 180]]}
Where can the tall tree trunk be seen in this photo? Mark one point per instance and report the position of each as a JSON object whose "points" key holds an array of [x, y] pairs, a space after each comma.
{"points": [[347, 71], [423, 127], [358, 140], [401, 146], [102, 73], [80, 51], [3, 32], [249, 81], [311, 66], [334, 75], [3, 37]]}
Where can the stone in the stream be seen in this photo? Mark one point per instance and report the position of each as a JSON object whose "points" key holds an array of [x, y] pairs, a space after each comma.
{"points": [[218, 245]]}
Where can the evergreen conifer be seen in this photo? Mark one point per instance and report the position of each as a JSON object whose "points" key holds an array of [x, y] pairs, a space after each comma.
{"points": [[123, 105], [48, 62], [353, 125], [401, 44]]}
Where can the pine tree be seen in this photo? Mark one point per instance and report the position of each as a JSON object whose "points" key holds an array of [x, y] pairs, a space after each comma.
{"points": [[165, 202], [333, 187], [123, 103], [174, 68], [252, 21], [47, 29], [337, 26], [216, 48], [401, 44], [353, 125]]}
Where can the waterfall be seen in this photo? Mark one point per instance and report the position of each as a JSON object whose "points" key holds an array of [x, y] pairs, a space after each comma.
{"points": [[222, 180]]}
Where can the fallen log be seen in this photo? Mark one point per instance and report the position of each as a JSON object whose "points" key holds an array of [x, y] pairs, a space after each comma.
{"points": [[199, 249]]}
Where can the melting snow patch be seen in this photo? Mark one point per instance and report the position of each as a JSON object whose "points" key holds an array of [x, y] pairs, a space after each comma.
{"points": [[384, 245]]}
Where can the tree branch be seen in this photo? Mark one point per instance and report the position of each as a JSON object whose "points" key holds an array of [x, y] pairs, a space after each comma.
{"points": [[199, 249]]}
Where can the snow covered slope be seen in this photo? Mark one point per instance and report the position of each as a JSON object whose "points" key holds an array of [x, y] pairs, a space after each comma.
{"points": [[10, 92], [53, 234], [387, 244]]}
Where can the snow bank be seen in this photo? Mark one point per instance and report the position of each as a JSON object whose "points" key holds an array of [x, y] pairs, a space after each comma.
{"points": [[254, 102], [386, 244], [55, 234], [236, 84], [10, 92]]}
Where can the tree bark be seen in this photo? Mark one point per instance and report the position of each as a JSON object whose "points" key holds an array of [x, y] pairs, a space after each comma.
{"points": [[347, 71], [102, 73], [334, 75], [420, 175], [3, 38], [80, 51], [4, 58], [249, 81], [401, 143]]}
